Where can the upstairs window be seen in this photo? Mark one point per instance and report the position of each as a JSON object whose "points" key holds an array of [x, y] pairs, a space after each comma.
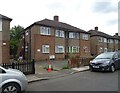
{"points": [[110, 41], [105, 40], [100, 39], [60, 33], [26, 33], [45, 30], [45, 48], [59, 49], [0, 24], [85, 36], [116, 41], [74, 35]]}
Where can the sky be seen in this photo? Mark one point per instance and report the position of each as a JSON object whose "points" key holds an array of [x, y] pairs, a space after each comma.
{"points": [[84, 14]]}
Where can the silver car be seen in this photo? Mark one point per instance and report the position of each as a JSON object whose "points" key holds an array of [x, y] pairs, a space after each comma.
{"points": [[12, 81]]}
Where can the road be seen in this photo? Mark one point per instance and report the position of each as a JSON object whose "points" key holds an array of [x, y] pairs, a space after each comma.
{"points": [[83, 81]]}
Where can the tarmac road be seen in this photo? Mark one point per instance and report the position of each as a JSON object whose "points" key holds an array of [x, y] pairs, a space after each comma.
{"points": [[82, 81]]}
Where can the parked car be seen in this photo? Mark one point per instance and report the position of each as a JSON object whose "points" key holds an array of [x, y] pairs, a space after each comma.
{"points": [[109, 61], [12, 80]]}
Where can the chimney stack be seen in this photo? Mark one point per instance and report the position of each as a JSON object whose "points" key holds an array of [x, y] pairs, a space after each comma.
{"points": [[56, 18], [96, 28]]}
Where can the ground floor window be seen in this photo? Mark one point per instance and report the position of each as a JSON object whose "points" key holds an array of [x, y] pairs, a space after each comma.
{"points": [[59, 49], [45, 49]]}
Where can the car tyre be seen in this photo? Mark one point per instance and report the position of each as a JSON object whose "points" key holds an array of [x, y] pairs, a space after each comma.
{"points": [[11, 88], [112, 68]]}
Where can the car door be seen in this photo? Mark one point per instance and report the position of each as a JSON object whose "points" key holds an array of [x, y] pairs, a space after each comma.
{"points": [[2, 75], [116, 61]]}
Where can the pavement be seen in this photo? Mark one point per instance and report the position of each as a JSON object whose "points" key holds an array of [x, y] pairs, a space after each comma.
{"points": [[58, 70]]}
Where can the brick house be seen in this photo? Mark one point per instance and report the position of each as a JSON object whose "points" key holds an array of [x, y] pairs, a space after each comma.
{"points": [[4, 38], [52, 39], [102, 42], [117, 41]]}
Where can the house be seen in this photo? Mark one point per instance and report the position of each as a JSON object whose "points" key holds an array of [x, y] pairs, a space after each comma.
{"points": [[117, 41], [52, 39], [102, 42], [4, 38]]}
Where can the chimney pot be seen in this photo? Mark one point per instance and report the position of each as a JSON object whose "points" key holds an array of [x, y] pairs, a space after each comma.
{"points": [[56, 18], [96, 28]]}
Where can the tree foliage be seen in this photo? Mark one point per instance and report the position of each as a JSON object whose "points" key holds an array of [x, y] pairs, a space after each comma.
{"points": [[15, 35]]}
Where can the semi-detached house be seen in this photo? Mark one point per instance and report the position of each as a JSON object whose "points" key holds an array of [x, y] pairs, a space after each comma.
{"points": [[102, 42], [52, 39]]}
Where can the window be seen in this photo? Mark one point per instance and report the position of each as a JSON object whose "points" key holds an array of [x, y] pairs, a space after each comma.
{"points": [[59, 49], [100, 39], [45, 48], [45, 30], [105, 40], [74, 35], [0, 24], [116, 41], [26, 33], [85, 36], [73, 49], [60, 33], [110, 41]]}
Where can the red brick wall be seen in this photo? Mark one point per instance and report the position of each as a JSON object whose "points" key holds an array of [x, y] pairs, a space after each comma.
{"points": [[43, 40], [83, 51]]}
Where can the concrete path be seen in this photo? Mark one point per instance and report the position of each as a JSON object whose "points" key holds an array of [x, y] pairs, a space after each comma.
{"points": [[42, 74]]}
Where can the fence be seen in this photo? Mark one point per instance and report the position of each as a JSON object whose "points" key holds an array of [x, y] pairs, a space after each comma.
{"points": [[25, 67]]}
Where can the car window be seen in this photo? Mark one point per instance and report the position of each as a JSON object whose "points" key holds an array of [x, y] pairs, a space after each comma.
{"points": [[2, 71], [115, 55]]}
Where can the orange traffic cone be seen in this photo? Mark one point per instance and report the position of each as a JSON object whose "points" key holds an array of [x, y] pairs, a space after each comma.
{"points": [[49, 68]]}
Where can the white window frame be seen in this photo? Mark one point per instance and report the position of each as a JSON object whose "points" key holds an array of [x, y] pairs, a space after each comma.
{"points": [[116, 41], [73, 35], [85, 37], [45, 49], [105, 40], [71, 49], [60, 33], [45, 30], [0, 24], [111, 41], [57, 49]]}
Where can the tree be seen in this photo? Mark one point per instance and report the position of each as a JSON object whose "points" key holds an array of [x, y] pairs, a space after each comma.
{"points": [[15, 35]]}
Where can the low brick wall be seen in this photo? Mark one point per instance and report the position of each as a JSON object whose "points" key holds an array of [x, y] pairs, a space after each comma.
{"points": [[78, 62]]}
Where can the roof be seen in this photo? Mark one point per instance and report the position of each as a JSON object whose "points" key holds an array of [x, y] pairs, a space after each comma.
{"points": [[99, 33], [116, 37], [59, 25], [5, 17]]}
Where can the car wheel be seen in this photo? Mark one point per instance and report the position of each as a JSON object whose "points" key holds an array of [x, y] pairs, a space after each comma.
{"points": [[11, 88], [112, 68]]}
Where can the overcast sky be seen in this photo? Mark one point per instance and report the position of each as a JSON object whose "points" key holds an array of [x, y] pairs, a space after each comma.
{"points": [[84, 14]]}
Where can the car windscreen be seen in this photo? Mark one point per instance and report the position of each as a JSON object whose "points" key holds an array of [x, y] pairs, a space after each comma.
{"points": [[105, 55]]}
